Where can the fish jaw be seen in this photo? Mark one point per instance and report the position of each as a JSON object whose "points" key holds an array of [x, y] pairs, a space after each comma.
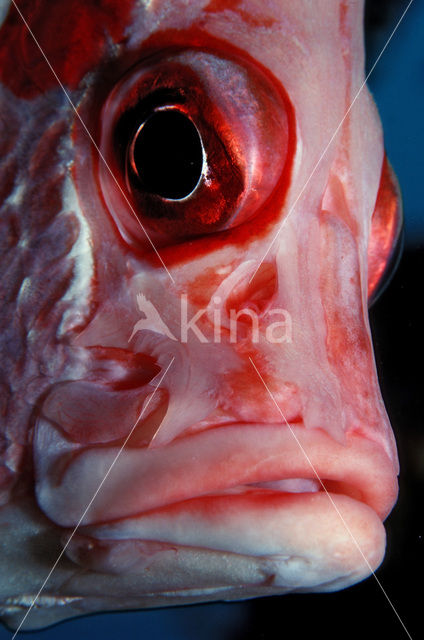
{"points": [[132, 574], [293, 561]]}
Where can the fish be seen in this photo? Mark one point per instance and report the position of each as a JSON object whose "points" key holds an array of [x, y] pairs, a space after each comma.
{"points": [[196, 213]]}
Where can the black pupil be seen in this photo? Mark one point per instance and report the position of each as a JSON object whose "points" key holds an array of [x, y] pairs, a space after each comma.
{"points": [[167, 155]]}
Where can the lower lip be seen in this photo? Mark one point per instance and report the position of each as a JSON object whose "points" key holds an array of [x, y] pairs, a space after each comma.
{"points": [[309, 541]]}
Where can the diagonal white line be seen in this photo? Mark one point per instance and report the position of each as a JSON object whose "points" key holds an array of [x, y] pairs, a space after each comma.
{"points": [[329, 142], [93, 498], [69, 99], [329, 496]]}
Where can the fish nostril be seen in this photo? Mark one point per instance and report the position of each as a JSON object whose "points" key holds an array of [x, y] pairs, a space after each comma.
{"points": [[120, 369], [257, 293]]}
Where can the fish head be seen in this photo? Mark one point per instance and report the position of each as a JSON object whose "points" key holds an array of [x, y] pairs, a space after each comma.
{"points": [[197, 210]]}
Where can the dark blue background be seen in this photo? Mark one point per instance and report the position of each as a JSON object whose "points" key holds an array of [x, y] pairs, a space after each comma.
{"points": [[398, 87]]}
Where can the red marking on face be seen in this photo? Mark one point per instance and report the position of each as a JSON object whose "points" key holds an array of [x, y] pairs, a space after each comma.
{"points": [[74, 39], [200, 288]]}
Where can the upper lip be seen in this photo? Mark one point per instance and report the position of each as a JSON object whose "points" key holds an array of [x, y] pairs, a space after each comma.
{"points": [[211, 462]]}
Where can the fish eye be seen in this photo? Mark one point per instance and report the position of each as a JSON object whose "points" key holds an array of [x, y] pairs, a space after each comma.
{"points": [[386, 236], [198, 142]]}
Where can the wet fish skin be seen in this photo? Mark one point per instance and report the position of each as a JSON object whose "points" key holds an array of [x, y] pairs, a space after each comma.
{"points": [[71, 273]]}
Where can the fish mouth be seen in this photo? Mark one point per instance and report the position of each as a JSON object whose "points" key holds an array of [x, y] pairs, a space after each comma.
{"points": [[233, 459], [248, 490]]}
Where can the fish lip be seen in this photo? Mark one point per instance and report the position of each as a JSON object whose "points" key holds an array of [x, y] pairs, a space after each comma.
{"points": [[256, 522], [219, 460], [274, 535]]}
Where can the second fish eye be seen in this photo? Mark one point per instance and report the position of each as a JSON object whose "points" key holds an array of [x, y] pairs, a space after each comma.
{"points": [[166, 156]]}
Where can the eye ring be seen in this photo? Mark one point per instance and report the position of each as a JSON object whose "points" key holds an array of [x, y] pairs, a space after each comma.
{"points": [[243, 124], [180, 155]]}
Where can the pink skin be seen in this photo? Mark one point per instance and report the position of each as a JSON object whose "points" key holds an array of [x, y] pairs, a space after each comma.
{"points": [[212, 484]]}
